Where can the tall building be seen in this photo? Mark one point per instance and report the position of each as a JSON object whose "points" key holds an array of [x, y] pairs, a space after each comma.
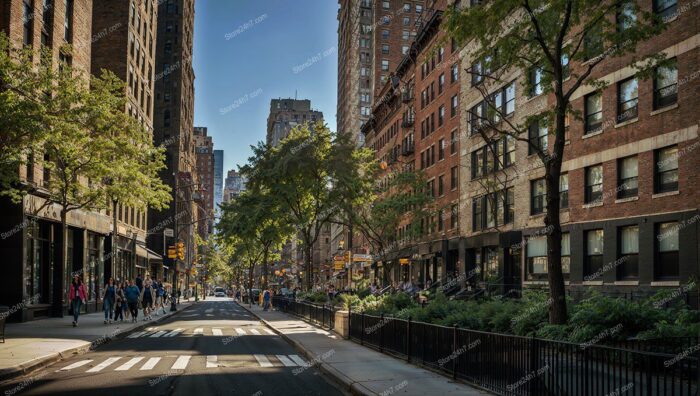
{"points": [[174, 129], [33, 279], [285, 114], [235, 185], [204, 148], [126, 34], [218, 181]]}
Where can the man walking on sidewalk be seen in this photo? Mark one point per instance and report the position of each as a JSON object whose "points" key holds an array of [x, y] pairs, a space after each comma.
{"points": [[132, 299]]}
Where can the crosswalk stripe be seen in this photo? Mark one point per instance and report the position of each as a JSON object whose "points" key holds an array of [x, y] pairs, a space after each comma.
{"points": [[217, 332], [103, 365], [286, 361], [240, 331], [173, 333], [139, 334], [263, 361], [158, 334], [129, 364], [150, 363], [254, 331], [75, 365], [298, 360], [181, 362], [199, 331], [268, 331], [212, 361]]}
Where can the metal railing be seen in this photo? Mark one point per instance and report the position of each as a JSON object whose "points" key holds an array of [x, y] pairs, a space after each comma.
{"points": [[323, 314], [515, 365]]}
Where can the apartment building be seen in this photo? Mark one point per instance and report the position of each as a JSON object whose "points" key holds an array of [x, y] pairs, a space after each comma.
{"points": [[32, 280], [629, 207], [285, 114], [204, 148]]}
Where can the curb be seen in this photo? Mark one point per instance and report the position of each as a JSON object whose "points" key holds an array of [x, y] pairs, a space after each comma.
{"points": [[47, 360], [348, 385]]}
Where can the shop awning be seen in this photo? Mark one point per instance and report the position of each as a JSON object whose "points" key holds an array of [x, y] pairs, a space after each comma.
{"points": [[148, 254]]}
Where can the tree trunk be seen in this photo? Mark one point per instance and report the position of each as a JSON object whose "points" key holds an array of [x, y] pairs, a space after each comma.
{"points": [[59, 268], [251, 271], [557, 308], [309, 266], [265, 268]]}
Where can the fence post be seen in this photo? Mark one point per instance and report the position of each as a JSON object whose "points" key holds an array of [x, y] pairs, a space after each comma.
{"points": [[532, 384], [362, 330], [408, 340], [454, 350], [381, 333]]}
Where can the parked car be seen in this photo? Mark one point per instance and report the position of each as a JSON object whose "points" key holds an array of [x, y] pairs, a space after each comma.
{"points": [[219, 292]]}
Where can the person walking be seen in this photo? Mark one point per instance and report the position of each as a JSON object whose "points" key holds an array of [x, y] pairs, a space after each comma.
{"points": [[132, 299], [77, 296], [160, 297], [147, 298], [119, 303], [108, 299], [266, 300]]}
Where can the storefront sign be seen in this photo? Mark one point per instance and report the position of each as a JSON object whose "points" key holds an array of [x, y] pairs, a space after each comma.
{"points": [[404, 261]]}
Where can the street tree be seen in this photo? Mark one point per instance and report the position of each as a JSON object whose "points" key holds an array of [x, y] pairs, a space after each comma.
{"points": [[562, 43]]}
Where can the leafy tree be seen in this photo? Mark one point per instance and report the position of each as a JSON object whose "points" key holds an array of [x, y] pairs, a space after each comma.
{"points": [[564, 42]]}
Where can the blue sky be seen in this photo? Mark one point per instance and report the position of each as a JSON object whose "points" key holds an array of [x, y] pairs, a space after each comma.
{"points": [[247, 52]]}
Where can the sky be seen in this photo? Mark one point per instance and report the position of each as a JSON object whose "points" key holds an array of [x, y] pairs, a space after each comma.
{"points": [[247, 52]]}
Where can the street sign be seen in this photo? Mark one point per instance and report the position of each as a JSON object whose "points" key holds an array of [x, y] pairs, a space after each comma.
{"points": [[361, 257], [169, 232]]}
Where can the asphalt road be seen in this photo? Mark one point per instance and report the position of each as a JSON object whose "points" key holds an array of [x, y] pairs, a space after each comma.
{"points": [[211, 348]]}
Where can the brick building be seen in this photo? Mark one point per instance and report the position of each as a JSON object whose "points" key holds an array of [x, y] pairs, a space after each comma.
{"points": [[32, 279], [285, 114], [204, 148], [629, 175], [173, 128]]}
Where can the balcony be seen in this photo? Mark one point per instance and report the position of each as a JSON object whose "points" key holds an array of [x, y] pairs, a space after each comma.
{"points": [[408, 120], [407, 96], [408, 148]]}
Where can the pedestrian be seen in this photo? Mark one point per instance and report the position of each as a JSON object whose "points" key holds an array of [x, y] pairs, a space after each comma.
{"points": [[147, 298], [77, 296], [119, 304], [160, 297], [132, 299], [125, 304], [266, 299], [108, 299], [238, 295]]}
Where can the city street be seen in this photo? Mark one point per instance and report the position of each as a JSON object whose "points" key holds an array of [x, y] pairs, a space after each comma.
{"points": [[213, 347]]}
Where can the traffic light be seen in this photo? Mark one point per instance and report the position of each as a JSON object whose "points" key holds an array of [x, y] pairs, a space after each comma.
{"points": [[172, 252], [181, 250]]}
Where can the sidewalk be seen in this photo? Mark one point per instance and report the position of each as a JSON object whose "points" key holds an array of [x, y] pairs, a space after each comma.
{"points": [[360, 370], [35, 344]]}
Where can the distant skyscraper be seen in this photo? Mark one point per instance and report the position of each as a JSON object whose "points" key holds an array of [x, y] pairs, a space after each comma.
{"points": [[285, 114], [235, 185], [218, 181]]}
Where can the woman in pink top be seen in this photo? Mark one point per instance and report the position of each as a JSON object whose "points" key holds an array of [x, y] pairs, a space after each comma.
{"points": [[77, 296]]}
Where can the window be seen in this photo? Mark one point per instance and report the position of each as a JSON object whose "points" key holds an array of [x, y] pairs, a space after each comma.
{"points": [[628, 259], [406, 7], [441, 149], [627, 95], [404, 49], [477, 214], [385, 5], [538, 137], [535, 80], [441, 185], [441, 115], [406, 21], [385, 65], [453, 142], [386, 20], [666, 9], [537, 263], [441, 54], [593, 104], [68, 22], [538, 196], [666, 170], [564, 191], [440, 221], [477, 116], [627, 172], [666, 85], [453, 178], [666, 251], [593, 42], [455, 72], [28, 21], [385, 48], [404, 35], [594, 184], [565, 66], [385, 34], [454, 106], [441, 83], [477, 73], [419, 8], [454, 215], [166, 118], [626, 16], [509, 104], [593, 264]]}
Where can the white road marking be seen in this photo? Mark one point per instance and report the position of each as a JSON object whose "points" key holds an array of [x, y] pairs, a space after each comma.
{"points": [[151, 363], [131, 363], [298, 360], [139, 334], [285, 360], [263, 361], [75, 365], [268, 331], [103, 365], [217, 332], [181, 362], [254, 331], [199, 331], [212, 361], [173, 333], [240, 331], [158, 334]]}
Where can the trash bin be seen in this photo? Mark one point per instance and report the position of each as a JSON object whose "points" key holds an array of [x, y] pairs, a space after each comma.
{"points": [[4, 313]]}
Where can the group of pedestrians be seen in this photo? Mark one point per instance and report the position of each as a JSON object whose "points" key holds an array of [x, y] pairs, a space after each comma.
{"points": [[121, 300]]}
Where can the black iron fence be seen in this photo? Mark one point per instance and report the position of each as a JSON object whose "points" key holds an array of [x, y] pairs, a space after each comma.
{"points": [[321, 314], [514, 365]]}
